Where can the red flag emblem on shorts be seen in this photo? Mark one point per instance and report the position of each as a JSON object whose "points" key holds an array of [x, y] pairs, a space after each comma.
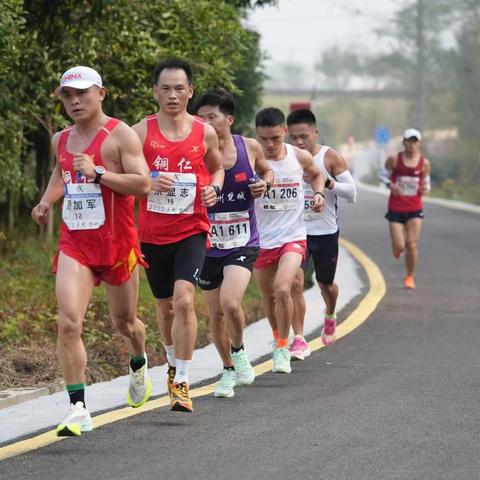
{"points": [[241, 177]]}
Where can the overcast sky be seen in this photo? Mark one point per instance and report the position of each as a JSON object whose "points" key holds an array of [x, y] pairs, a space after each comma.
{"points": [[299, 30]]}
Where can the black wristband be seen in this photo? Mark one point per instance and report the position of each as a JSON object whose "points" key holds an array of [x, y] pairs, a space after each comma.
{"points": [[319, 193], [327, 183]]}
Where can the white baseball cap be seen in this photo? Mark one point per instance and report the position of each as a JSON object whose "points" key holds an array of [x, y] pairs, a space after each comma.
{"points": [[412, 133], [79, 77]]}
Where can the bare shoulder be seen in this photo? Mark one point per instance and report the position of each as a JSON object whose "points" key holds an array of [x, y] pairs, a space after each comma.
{"points": [[252, 145], [391, 162], [210, 137], [334, 161], [302, 155], [140, 128], [124, 134], [426, 166]]}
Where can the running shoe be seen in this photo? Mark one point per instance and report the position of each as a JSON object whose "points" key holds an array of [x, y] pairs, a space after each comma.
{"points": [[78, 420], [245, 374], [140, 386], [409, 282], [281, 360], [299, 349], [180, 398], [328, 331], [225, 385], [170, 378]]}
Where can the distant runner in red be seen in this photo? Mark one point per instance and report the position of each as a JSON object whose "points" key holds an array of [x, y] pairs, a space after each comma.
{"points": [[186, 176], [99, 166], [409, 179]]}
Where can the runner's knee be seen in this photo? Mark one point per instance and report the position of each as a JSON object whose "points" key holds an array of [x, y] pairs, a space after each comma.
{"points": [[69, 326], [230, 307]]}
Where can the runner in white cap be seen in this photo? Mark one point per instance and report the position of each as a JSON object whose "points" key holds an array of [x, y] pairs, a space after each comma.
{"points": [[100, 166], [408, 178]]}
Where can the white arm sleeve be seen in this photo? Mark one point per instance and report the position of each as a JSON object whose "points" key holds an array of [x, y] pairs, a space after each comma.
{"points": [[345, 186]]}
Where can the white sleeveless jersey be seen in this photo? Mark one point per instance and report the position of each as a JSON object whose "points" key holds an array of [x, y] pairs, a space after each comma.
{"points": [[280, 211], [326, 222]]}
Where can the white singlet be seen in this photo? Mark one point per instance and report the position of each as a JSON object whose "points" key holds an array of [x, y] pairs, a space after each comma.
{"points": [[326, 222], [280, 211]]}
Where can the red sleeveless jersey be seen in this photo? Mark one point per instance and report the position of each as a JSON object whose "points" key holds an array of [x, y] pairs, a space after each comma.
{"points": [[113, 241], [410, 181], [163, 223]]}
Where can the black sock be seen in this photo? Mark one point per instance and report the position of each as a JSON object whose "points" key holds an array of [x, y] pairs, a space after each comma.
{"points": [[232, 368], [137, 362], [236, 350], [77, 396]]}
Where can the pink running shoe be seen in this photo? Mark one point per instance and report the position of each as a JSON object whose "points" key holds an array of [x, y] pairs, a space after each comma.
{"points": [[299, 349], [328, 331]]}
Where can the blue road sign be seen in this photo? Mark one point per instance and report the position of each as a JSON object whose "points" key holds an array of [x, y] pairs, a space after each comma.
{"points": [[382, 135]]}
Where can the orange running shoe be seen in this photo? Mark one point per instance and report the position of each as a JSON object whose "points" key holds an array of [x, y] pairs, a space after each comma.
{"points": [[409, 282], [170, 377], [180, 398]]}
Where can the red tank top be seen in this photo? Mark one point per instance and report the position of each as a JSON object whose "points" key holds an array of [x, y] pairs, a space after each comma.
{"points": [[178, 214], [103, 245], [410, 181]]}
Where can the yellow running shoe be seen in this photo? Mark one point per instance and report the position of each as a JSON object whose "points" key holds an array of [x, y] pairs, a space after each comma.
{"points": [[180, 398], [140, 387], [78, 420]]}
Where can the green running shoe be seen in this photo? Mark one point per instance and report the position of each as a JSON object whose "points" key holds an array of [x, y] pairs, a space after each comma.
{"points": [[245, 374], [281, 360], [224, 388]]}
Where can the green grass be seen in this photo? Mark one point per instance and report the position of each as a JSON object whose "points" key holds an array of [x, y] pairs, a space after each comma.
{"points": [[29, 314]]}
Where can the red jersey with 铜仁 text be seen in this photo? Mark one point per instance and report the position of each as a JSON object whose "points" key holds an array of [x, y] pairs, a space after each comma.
{"points": [[98, 226], [409, 179], [168, 217]]}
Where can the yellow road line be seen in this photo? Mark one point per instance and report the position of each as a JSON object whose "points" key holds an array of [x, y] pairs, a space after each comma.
{"points": [[366, 306]]}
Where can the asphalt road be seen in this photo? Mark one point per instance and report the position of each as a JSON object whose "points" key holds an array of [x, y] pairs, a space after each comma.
{"points": [[396, 399]]}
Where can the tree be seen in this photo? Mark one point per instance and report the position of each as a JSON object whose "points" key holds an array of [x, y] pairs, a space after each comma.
{"points": [[123, 40]]}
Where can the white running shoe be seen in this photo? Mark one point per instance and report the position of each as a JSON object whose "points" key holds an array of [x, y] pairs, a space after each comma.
{"points": [[245, 373], [224, 388], [78, 420], [140, 386], [281, 360]]}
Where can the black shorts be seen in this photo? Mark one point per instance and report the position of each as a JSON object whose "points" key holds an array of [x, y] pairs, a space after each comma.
{"points": [[403, 217], [211, 276], [323, 250], [168, 263]]}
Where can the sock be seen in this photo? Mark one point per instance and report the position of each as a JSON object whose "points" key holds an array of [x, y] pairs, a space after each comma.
{"points": [[281, 343], [236, 350], [232, 368], [183, 368], [76, 392], [330, 316], [137, 361], [275, 335], [170, 352], [301, 337]]}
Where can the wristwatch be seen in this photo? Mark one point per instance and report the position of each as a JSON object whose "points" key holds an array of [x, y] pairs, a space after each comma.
{"points": [[269, 186], [99, 171], [327, 183]]}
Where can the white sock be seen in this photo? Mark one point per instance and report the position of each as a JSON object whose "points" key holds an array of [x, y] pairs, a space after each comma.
{"points": [[170, 351], [183, 369]]}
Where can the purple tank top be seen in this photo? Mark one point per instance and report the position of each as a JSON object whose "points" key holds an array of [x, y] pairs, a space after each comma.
{"points": [[233, 223]]}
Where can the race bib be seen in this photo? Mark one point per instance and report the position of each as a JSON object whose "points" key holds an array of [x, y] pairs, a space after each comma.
{"points": [[229, 230], [179, 199], [285, 194], [83, 206], [409, 185], [308, 213]]}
